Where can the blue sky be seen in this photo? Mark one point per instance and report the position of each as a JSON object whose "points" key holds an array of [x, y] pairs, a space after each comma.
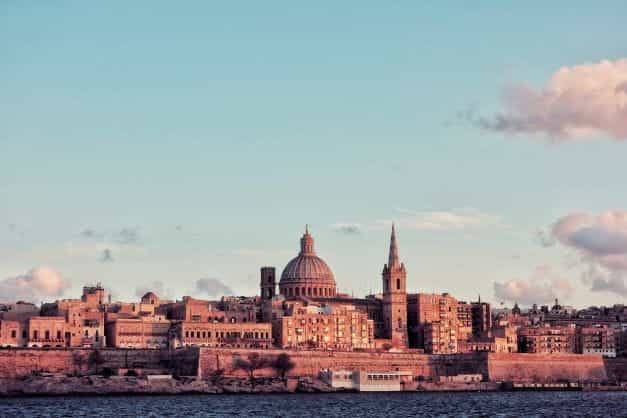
{"points": [[214, 132]]}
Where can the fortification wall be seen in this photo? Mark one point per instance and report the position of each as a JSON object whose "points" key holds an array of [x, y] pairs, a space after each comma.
{"points": [[309, 363], [616, 369], [546, 368], [201, 362], [15, 362]]}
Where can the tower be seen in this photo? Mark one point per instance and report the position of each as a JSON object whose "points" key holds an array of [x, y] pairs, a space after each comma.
{"points": [[395, 296], [268, 283]]}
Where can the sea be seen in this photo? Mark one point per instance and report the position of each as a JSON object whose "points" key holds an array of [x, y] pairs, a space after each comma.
{"points": [[346, 405]]}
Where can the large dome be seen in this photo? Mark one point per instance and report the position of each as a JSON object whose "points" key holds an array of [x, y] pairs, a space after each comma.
{"points": [[307, 274]]}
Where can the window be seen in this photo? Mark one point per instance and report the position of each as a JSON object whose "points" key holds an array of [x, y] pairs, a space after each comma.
{"points": [[13, 333], [398, 284], [35, 335], [24, 334], [59, 335]]}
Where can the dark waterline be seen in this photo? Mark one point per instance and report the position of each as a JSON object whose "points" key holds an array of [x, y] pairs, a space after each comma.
{"points": [[492, 404]]}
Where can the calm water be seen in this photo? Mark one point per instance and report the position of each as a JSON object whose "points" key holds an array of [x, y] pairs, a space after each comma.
{"points": [[520, 404]]}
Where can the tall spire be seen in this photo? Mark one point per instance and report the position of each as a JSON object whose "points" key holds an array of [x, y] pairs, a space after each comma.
{"points": [[393, 260]]}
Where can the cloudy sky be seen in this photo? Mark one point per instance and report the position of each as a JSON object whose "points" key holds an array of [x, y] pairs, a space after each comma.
{"points": [[149, 145]]}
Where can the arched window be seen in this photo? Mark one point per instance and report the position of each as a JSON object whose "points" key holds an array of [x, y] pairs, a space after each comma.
{"points": [[398, 284]]}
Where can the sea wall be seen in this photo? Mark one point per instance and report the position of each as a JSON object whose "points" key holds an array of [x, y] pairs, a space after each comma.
{"points": [[202, 362], [520, 367], [616, 369], [16, 362], [309, 363]]}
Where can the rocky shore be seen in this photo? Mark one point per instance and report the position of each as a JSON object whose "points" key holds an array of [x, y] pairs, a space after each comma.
{"points": [[116, 385]]}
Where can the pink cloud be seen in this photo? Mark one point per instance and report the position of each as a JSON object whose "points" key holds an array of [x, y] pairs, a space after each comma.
{"points": [[577, 101], [601, 242], [38, 284], [539, 288]]}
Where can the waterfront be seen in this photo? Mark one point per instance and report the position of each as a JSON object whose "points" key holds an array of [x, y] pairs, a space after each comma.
{"points": [[503, 404]]}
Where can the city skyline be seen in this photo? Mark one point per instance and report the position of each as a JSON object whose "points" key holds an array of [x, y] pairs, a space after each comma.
{"points": [[183, 160]]}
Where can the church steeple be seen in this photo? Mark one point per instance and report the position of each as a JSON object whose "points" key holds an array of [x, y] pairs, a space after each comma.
{"points": [[395, 296], [393, 260]]}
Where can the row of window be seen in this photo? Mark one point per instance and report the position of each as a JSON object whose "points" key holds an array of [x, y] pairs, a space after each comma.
{"points": [[46, 335], [308, 291], [222, 334]]}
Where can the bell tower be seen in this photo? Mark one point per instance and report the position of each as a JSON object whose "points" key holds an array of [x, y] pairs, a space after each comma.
{"points": [[267, 283], [395, 296]]}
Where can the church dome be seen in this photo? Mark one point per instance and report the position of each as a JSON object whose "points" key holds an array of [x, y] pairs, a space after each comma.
{"points": [[307, 274], [150, 299]]}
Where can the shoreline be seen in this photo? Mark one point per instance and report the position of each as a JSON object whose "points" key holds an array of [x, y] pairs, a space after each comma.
{"points": [[98, 386]]}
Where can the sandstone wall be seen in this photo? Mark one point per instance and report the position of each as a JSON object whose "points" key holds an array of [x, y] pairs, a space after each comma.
{"points": [[309, 363], [16, 362], [616, 369], [546, 368]]}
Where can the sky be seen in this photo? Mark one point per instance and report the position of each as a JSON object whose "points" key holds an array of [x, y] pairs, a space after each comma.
{"points": [[179, 147]]}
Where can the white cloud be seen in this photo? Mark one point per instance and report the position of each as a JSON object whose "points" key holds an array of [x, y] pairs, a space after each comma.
{"points": [[601, 238], [600, 242], [39, 284], [455, 219], [577, 101], [539, 288]]}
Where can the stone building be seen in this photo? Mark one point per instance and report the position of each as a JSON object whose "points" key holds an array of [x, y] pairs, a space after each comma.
{"points": [[598, 340], [13, 333], [240, 309], [481, 317], [433, 322], [141, 332], [84, 317], [211, 334], [47, 331], [546, 339], [497, 340], [464, 321], [323, 325], [197, 310]]}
